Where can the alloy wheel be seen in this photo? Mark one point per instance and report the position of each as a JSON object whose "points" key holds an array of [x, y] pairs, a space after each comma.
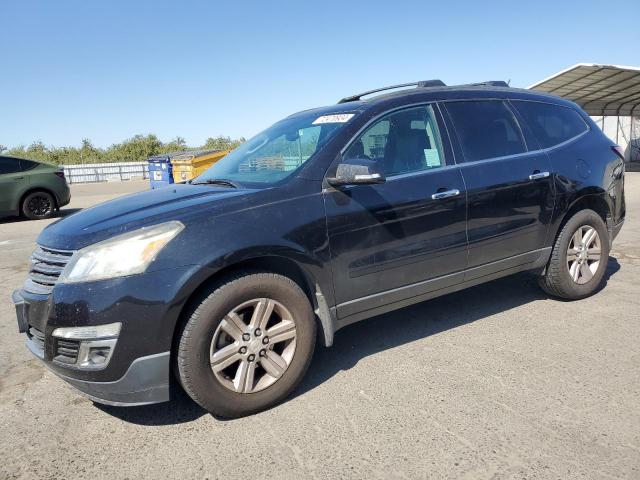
{"points": [[584, 254], [253, 346], [39, 206]]}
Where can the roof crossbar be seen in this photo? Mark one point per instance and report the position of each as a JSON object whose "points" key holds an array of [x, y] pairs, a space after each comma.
{"points": [[489, 83], [421, 84]]}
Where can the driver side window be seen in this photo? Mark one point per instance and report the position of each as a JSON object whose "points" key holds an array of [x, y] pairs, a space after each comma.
{"points": [[402, 142]]}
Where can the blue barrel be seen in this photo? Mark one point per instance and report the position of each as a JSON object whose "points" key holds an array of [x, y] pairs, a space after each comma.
{"points": [[160, 170]]}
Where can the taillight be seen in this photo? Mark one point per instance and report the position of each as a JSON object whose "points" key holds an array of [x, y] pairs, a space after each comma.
{"points": [[60, 174], [618, 151]]}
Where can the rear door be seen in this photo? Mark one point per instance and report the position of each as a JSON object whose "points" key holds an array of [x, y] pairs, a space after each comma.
{"points": [[509, 186], [397, 240], [12, 184]]}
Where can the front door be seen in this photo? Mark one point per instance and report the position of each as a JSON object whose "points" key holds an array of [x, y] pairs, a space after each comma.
{"points": [[403, 238], [509, 187], [11, 183]]}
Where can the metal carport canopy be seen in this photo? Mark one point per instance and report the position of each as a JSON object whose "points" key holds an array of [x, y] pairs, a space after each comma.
{"points": [[599, 89]]}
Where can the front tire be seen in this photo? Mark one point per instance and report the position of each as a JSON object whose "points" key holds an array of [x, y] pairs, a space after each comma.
{"points": [[246, 344], [579, 258]]}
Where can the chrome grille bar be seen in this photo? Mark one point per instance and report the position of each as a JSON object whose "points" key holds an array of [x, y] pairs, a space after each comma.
{"points": [[45, 267]]}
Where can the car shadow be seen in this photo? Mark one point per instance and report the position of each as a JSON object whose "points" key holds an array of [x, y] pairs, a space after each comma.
{"points": [[369, 337], [180, 409], [357, 341], [65, 212]]}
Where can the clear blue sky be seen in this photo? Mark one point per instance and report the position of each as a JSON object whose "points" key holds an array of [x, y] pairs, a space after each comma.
{"points": [[107, 70]]}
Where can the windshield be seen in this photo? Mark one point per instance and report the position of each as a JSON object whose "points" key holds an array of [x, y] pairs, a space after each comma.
{"points": [[278, 151]]}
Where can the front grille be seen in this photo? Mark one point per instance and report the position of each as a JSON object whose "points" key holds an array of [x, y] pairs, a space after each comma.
{"points": [[45, 266], [67, 351], [37, 337]]}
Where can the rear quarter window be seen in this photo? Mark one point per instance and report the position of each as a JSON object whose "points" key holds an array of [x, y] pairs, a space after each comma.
{"points": [[28, 165], [551, 124]]}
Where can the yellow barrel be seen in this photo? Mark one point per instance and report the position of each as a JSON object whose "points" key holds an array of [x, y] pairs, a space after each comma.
{"points": [[189, 165]]}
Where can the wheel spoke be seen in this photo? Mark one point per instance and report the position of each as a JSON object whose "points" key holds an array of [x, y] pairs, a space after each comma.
{"points": [[240, 379], [586, 272], [594, 254], [273, 364], [574, 271], [251, 373], [282, 331], [233, 325], [589, 237], [577, 238], [224, 357], [261, 314]]}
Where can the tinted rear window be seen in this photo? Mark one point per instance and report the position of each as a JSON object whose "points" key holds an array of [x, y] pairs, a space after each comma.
{"points": [[9, 165], [551, 124], [486, 129], [28, 164]]}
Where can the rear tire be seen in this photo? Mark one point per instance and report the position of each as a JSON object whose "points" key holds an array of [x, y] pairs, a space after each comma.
{"points": [[38, 205], [579, 258], [224, 323]]}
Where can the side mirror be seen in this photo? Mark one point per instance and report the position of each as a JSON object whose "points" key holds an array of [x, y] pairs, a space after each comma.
{"points": [[356, 174]]}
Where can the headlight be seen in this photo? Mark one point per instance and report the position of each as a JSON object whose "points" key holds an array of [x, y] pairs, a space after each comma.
{"points": [[123, 255]]}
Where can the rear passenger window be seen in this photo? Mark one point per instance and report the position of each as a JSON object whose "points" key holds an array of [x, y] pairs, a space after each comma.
{"points": [[551, 124], [9, 165], [486, 129]]}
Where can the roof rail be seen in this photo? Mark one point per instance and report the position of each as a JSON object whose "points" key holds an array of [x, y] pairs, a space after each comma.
{"points": [[421, 84]]}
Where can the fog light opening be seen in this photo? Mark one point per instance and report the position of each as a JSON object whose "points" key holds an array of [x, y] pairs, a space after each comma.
{"points": [[98, 356]]}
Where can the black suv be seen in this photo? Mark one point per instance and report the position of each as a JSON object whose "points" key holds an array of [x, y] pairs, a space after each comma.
{"points": [[328, 217]]}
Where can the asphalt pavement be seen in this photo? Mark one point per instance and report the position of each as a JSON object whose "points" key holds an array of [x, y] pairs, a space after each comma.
{"points": [[498, 381]]}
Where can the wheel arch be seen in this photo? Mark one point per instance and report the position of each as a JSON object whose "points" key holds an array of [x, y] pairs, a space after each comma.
{"points": [[280, 264], [589, 200]]}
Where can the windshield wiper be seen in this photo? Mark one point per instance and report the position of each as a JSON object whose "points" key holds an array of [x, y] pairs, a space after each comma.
{"points": [[217, 181]]}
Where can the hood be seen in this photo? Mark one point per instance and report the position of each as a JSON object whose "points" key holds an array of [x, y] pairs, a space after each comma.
{"points": [[187, 203]]}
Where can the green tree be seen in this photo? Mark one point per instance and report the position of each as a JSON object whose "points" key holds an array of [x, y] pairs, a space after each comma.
{"points": [[178, 144], [134, 149], [221, 143], [89, 153]]}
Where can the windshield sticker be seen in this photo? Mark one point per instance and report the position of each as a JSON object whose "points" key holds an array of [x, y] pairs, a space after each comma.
{"points": [[336, 118]]}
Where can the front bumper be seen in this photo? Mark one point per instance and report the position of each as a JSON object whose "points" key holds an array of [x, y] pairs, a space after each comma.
{"points": [[145, 382], [138, 371], [63, 195]]}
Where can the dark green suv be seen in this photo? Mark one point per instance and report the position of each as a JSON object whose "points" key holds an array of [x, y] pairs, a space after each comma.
{"points": [[31, 189]]}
